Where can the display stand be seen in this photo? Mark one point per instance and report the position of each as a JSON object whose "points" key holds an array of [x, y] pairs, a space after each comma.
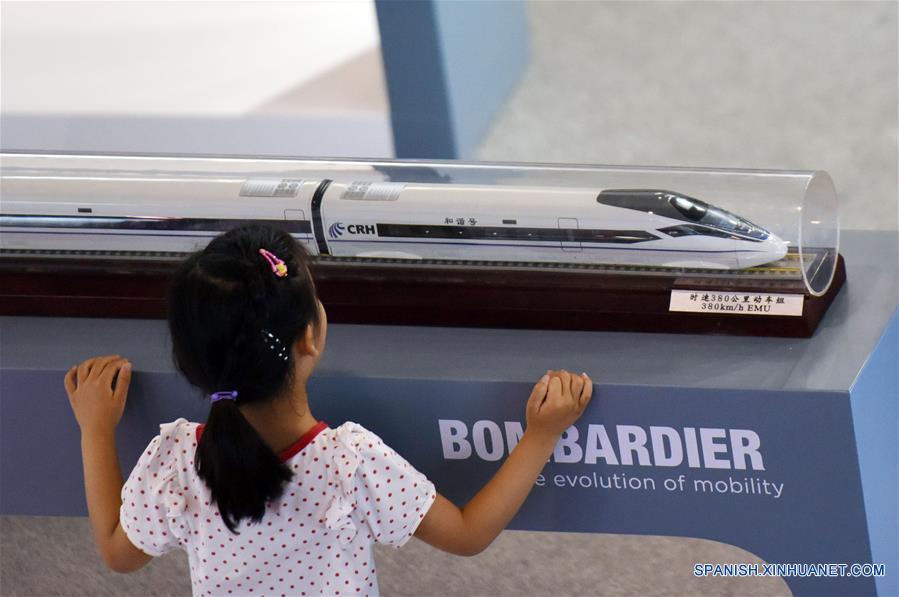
{"points": [[608, 248], [411, 294]]}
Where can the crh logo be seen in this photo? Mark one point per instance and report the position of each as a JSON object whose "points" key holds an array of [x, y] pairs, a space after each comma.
{"points": [[361, 229], [335, 230]]}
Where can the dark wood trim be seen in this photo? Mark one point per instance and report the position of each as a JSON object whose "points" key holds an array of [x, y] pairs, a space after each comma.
{"points": [[422, 295]]}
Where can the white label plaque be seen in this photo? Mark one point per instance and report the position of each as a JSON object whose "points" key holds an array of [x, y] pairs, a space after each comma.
{"points": [[735, 303]]}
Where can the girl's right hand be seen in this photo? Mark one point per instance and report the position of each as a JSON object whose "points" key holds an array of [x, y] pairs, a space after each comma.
{"points": [[557, 401]]}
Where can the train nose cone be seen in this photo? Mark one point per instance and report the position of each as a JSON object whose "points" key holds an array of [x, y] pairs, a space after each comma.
{"points": [[769, 250]]}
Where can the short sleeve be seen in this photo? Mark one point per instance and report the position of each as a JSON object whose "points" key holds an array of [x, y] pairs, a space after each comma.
{"points": [[391, 496], [148, 506]]}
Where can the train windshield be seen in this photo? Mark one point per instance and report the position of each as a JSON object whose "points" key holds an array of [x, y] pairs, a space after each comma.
{"points": [[715, 217], [681, 207], [692, 209]]}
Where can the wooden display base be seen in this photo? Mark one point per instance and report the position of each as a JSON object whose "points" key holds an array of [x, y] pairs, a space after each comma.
{"points": [[413, 294]]}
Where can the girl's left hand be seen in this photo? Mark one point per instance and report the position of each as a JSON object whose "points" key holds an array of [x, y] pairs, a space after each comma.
{"points": [[97, 405]]}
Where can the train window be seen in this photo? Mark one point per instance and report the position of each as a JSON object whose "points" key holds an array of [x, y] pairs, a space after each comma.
{"points": [[725, 220], [693, 209], [678, 231], [528, 234], [147, 223], [716, 233], [613, 236]]}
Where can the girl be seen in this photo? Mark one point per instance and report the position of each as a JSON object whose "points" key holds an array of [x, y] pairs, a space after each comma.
{"points": [[265, 498]]}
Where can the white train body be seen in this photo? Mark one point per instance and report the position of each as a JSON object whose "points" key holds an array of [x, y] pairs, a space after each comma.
{"points": [[385, 219], [176, 215], [565, 225]]}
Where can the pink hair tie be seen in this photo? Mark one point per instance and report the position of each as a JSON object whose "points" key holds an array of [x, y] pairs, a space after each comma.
{"points": [[278, 267]]}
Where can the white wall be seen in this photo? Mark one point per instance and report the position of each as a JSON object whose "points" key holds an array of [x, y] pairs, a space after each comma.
{"points": [[91, 75]]}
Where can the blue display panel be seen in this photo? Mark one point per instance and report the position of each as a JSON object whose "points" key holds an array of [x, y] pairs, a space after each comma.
{"points": [[875, 418], [773, 472]]}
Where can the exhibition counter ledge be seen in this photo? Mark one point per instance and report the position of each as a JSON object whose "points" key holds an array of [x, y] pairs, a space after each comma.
{"points": [[784, 447]]}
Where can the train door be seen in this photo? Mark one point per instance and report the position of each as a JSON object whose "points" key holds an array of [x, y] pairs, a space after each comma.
{"points": [[569, 225], [301, 229]]}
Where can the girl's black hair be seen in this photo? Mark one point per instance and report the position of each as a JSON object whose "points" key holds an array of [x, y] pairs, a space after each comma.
{"points": [[223, 303]]}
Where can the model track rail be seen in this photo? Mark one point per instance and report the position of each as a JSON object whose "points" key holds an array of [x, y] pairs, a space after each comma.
{"points": [[786, 268]]}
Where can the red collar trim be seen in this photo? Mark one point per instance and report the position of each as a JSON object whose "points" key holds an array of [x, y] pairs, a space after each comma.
{"points": [[293, 449]]}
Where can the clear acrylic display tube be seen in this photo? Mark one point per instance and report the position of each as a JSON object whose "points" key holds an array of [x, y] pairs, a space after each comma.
{"points": [[798, 208]]}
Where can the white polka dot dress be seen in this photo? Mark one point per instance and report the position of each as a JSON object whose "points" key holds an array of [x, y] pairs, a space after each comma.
{"points": [[349, 489]]}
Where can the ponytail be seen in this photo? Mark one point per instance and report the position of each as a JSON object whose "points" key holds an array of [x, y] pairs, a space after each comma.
{"points": [[233, 320], [241, 470]]}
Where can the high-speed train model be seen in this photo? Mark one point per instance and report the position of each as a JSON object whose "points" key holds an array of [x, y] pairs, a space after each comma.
{"points": [[415, 221]]}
